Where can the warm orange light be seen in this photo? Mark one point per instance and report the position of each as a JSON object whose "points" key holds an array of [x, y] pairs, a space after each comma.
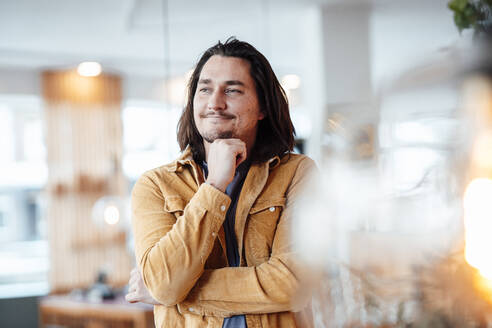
{"points": [[478, 225], [484, 286]]}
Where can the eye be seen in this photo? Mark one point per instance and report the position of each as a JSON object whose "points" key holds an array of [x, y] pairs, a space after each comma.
{"points": [[204, 90], [232, 91]]}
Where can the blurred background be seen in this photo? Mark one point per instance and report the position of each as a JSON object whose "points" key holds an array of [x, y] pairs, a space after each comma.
{"points": [[74, 137]]}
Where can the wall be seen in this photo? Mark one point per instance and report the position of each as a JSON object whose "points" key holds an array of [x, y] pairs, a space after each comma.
{"points": [[19, 312]]}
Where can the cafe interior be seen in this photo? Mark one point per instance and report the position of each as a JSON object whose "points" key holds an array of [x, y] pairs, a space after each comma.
{"points": [[391, 98]]}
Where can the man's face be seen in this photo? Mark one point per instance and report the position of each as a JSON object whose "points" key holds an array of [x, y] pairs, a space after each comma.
{"points": [[225, 102]]}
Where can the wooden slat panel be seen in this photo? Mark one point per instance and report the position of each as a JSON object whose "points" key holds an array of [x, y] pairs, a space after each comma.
{"points": [[84, 148], [69, 87]]}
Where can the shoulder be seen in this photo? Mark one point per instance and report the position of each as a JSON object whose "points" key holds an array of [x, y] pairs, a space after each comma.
{"points": [[289, 176], [158, 173], [289, 170], [185, 160], [166, 176], [300, 170], [297, 162]]}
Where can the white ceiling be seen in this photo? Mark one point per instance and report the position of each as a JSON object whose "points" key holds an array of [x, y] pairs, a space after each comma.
{"points": [[127, 36]]}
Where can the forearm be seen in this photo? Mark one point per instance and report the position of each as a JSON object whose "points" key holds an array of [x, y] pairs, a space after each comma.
{"points": [[270, 287], [172, 252]]}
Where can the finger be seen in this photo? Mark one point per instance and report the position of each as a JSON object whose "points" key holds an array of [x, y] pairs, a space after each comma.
{"points": [[243, 155], [240, 153], [133, 280], [131, 297], [234, 141], [135, 276]]}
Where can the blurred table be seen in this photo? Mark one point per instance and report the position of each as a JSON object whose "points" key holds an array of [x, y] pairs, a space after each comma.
{"points": [[69, 312]]}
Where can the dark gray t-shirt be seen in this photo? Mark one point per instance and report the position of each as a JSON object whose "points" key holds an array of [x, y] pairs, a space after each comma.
{"points": [[233, 190]]}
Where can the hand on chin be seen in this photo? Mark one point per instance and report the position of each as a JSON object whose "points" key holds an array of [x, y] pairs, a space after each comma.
{"points": [[223, 157]]}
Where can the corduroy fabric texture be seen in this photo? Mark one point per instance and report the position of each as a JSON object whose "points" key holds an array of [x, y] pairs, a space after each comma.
{"points": [[180, 245]]}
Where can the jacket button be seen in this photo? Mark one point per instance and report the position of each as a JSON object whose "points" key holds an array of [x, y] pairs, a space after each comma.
{"points": [[272, 209], [222, 208], [213, 234]]}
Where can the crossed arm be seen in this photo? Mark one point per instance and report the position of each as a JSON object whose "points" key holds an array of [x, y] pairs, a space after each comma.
{"points": [[171, 255]]}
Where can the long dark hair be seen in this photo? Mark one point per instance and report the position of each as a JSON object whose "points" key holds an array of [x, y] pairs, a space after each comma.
{"points": [[275, 133]]}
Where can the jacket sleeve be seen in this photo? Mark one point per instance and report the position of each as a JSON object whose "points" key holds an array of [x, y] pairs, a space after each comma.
{"points": [[272, 286], [171, 252]]}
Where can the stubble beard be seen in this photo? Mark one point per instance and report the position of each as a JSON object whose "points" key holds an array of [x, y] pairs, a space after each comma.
{"points": [[212, 136]]}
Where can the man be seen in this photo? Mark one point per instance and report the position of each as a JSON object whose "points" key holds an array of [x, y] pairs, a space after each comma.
{"points": [[212, 228]]}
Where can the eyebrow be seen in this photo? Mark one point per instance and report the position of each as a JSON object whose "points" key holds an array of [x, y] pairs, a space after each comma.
{"points": [[229, 82]]}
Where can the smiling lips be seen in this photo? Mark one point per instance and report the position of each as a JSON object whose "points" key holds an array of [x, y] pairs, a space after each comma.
{"points": [[218, 116]]}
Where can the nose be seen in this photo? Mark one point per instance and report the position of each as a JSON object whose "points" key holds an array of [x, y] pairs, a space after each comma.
{"points": [[216, 101]]}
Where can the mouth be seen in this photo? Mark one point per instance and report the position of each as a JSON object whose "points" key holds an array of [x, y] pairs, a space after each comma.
{"points": [[218, 116]]}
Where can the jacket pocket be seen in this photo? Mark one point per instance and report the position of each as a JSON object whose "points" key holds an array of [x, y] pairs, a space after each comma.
{"points": [[263, 205], [260, 229], [174, 205]]}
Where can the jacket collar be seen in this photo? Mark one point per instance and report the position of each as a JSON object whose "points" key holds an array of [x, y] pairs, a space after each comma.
{"points": [[186, 158], [255, 182]]}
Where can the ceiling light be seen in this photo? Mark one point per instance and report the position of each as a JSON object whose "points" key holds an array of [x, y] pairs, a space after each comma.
{"points": [[89, 69]]}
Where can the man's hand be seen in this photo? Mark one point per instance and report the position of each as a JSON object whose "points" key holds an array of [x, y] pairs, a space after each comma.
{"points": [[137, 292], [224, 155]]}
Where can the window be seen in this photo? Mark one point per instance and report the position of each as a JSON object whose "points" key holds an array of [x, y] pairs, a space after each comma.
{"points": [[149, 136], [23, 174]]}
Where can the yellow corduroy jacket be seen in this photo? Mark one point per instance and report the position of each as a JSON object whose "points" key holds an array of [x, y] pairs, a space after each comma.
{"points": [[180, 245]]}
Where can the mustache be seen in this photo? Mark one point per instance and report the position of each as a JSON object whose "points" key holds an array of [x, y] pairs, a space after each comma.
{"points": [[217, 114]]}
